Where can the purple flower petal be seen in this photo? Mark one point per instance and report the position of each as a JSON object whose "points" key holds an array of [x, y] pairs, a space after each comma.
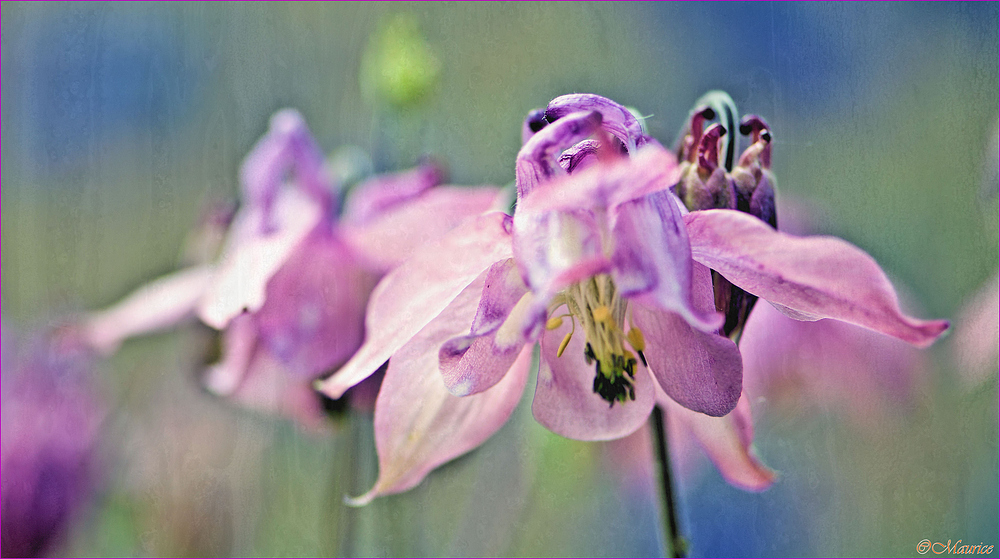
{"points": [[580, 156], [416, 292], [52, 414], [565, 401], [652, 258], [617, 120], [807, 278], [387, 238], [538, 160], [555, 249], [159, 304], [702, 372], [313, 316], [607, 185], [287, 146], [382, 192], [477, 361], [419, 425]]}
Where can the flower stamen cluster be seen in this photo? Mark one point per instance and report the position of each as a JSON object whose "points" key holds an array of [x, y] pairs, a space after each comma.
{"points": [[601, 311]]}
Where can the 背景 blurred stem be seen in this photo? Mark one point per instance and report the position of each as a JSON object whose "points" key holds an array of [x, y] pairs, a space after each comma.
{"points": [[342, 535], [672, 539]]}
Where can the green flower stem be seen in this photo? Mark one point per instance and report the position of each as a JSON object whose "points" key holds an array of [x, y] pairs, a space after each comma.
{"points": [[672, 538]]}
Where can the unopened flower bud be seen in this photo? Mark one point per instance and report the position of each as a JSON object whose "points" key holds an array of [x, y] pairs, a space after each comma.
{"points": [[705, 184], [752, 177]]}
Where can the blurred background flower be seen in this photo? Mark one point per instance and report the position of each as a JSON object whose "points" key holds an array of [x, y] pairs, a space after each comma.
{"points": [[123, 121], [52, 414]]}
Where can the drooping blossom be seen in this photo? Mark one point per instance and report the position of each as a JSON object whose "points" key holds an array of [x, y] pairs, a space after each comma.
{"points": [[52, 415], [290, 287], [605, 267]]}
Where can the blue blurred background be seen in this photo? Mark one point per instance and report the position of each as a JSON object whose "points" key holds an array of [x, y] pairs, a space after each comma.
{"points": [[122, 121]]}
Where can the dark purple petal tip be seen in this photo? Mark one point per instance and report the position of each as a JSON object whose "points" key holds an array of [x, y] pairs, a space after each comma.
{"points": [[534, 122], [617, 119], [538, 160]]}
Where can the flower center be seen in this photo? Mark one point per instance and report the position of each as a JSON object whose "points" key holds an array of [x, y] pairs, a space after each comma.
{"points": [[595, 303]]}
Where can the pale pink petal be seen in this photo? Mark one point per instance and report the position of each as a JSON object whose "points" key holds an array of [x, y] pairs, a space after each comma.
{"points": [[631, 462], [701, 371], [156, 306], [419, 425], [380, 193], [252, 376], [416, 292], [807, 278], [828, 365], [977, 334], [476, 361], [250, 258], [565, 401], [239, 345], [389, 237], [269, 387], [727, 440], [313, 317], [652, 259]]}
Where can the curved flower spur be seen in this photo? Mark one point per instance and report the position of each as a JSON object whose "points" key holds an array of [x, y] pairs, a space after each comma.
{"points": [[291, 285]]}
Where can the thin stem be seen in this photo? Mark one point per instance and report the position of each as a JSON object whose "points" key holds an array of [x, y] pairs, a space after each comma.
{"points": [[340, 541], [672, 534]]}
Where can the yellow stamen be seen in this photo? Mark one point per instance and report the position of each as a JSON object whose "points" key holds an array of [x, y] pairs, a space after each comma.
{"points": [[602, 314], [563, 344], [636, 339], [629, 356], [553, 323]]}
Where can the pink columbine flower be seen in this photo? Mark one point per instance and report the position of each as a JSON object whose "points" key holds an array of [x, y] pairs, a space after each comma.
{"points": [[291, 285], [606, 268]]}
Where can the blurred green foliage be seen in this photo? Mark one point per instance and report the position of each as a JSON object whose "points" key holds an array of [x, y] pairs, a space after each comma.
{"points": [[398, 67]]}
